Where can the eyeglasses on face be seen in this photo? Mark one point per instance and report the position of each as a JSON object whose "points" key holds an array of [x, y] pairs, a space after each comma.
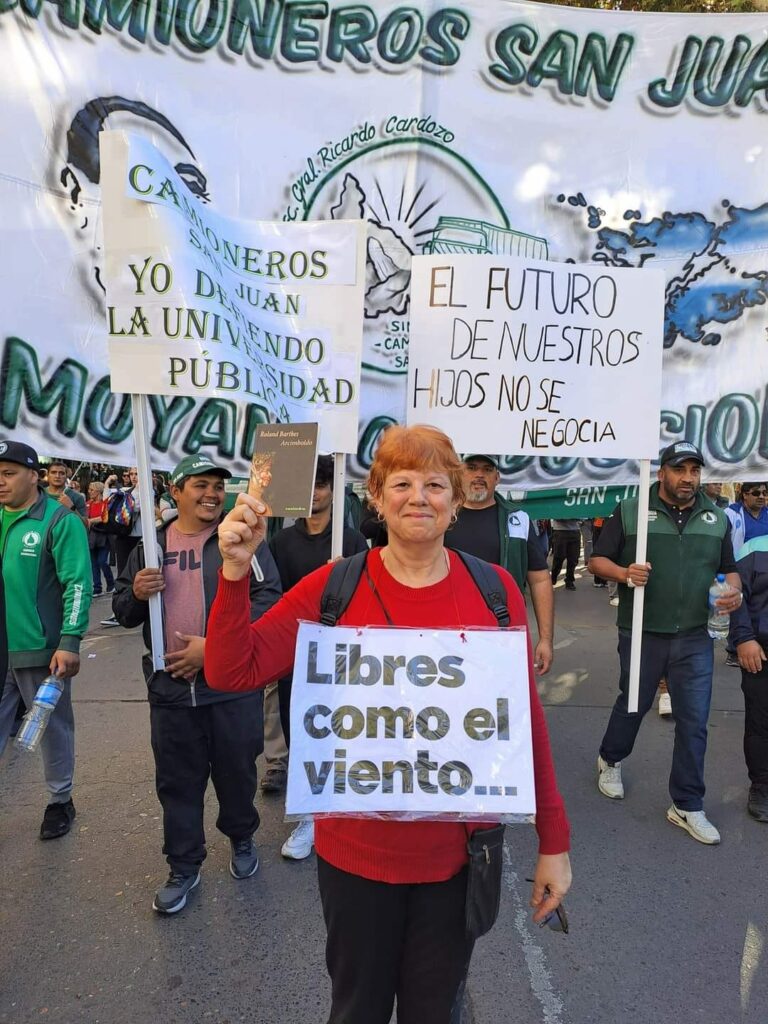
{"points": [[758, 492]]}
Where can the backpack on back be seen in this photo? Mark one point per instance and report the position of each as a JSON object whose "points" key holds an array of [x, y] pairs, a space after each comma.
{"points": [[346, 574], [119, 514]]}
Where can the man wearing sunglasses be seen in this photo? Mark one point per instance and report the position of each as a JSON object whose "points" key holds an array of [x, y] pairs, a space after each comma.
{"points": [[749, 519]]}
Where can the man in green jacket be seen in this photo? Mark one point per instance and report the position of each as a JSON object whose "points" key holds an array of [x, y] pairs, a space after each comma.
{"points": [[46, 567], [689, 542]]}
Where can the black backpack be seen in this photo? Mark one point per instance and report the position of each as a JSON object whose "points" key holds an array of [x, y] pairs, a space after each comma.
{"points": [[346, 574]]}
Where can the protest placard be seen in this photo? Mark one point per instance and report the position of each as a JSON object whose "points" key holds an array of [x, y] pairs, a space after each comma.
{"points": [[198, 304], [412, 723], [545, 358]]}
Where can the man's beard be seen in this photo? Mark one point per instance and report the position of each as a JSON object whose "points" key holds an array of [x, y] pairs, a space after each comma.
{"points": [[477, 494]]}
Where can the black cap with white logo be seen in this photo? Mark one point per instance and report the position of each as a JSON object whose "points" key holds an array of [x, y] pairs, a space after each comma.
{"points": [[15, 451], [679, 452]]}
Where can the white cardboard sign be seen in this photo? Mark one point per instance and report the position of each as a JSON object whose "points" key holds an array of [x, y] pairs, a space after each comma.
{"points": [[414, 723], [544, 358]]}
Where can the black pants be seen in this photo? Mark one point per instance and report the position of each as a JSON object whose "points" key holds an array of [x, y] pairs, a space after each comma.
{"points": [[284, 696], [386, 941], [220, 741], [755, 689], [566, 545], [123, 547]]}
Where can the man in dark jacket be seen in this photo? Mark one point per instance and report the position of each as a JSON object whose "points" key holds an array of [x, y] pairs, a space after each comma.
{"points": [[298, 551], [749, 633], [197, 732]]}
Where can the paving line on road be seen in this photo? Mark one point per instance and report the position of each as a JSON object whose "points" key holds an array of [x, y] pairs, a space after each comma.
{"points": [[535, 958]]}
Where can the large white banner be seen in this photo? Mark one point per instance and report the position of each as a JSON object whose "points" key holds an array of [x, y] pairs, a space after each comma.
{"points": [[545, 357], [480, 127], [239, 310], [412, 723]]}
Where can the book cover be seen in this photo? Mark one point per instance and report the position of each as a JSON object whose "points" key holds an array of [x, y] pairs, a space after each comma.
{"points": [[283, 468]]}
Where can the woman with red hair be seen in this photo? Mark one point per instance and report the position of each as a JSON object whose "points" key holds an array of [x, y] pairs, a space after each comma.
{"points": [[393, 892]]}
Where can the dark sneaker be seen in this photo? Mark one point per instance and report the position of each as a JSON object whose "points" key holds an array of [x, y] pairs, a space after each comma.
{"points": [[57, 820], [111, 621], [244, 861], [274, 780], [757, 802], [172, 897], [570, 586], [732, 660]]}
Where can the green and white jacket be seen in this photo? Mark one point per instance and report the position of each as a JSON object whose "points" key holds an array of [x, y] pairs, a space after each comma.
{"points": [[46, 568]]}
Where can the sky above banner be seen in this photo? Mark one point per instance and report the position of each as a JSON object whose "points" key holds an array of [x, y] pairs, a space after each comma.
{"points": [[620, 140]]}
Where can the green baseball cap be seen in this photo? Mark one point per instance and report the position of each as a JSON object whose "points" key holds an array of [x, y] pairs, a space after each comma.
{"points": [[488, 458], [196, 465]]}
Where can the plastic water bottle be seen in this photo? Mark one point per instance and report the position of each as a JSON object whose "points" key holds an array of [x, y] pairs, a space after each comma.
{"points": [[719, 621], [36, 719]]}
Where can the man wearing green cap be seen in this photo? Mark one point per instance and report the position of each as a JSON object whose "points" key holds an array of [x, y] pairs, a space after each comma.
{"points": [[197, 733]]}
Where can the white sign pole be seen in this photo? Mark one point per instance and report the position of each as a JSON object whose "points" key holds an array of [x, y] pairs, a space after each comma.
{"points": [[337, 520], [148, 530], [639, 592]]}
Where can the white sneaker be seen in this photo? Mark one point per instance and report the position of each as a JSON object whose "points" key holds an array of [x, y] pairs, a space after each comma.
{"points": [[609, 779], [696, 824], [614, 602], [665, 705], [299, 843]]}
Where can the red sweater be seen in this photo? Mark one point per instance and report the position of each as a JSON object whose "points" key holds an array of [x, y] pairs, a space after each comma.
{"points": [[244, 655]]}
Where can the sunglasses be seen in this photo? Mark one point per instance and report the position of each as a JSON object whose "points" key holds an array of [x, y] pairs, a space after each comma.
{"points": [[761, 493], [557, 920]]}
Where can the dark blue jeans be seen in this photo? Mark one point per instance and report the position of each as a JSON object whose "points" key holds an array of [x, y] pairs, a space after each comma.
{"points": [[686, 662], [99, 565]]}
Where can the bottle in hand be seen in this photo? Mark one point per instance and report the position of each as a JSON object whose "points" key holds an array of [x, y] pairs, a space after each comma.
{"points": [[36, 719], [719, 621]]}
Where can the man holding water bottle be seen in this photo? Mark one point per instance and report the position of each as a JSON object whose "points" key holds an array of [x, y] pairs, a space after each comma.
{"points": [[689, 542], [46, 568]]}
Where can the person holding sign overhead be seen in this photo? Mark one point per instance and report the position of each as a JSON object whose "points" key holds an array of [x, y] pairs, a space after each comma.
{"points": [[393, 892]]}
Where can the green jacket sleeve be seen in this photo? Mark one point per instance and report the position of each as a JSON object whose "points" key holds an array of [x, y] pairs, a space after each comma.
{"points": [[69, 548]]}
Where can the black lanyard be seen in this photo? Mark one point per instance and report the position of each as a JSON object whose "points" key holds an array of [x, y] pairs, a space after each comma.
{"points": [[377, 595]]}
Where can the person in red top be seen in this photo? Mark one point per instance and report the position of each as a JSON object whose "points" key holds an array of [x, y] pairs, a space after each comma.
{"points": [[393, 892], [98, 542]]}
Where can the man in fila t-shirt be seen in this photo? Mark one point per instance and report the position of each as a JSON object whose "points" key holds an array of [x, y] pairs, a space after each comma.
{"points": [[197, 733]]}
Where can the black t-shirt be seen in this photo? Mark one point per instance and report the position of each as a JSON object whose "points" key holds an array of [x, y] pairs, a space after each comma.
{"points": [[298, 553], [611, 541], [477, 533]]}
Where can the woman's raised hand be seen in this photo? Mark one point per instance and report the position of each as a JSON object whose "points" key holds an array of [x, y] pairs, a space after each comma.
{"points": [[240, 533]]}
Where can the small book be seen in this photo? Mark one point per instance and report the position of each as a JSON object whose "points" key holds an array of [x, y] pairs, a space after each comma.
{"points": [[283, 468]]}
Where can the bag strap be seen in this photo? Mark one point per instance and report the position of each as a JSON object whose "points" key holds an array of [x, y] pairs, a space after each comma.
{"points": [[341, 585], [489, 583]]}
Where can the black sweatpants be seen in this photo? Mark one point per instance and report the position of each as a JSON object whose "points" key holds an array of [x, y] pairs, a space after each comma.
{"points": [[220, 741], [386, 941], [754, 685], [123, 547]]}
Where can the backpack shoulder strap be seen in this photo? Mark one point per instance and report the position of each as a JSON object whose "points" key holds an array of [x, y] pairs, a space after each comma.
{"points": [[341, 585], [489, 584]]}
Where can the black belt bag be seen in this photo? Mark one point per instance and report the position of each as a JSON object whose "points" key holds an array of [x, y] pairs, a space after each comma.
{"points": [[485, 848]]}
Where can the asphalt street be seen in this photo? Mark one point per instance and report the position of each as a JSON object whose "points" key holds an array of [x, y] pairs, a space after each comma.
{"points": [[663, 929]]}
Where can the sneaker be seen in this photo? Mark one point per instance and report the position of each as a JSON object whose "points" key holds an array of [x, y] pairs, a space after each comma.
{"points": [[570, 586], [274, 780], [111, 621], [695, 823], [757, 802], [107, 593], [609, 779], [665, 705], [614, 602], [244, 861], [57, 820], [299, 843], [731, 660], [172, 897], [599, 583]]}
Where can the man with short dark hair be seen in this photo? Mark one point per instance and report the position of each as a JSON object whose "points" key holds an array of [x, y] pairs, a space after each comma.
{"points": [[47, 577], [491, 528], [299, 550], [58, 474], [197, 733], [688, 544]]}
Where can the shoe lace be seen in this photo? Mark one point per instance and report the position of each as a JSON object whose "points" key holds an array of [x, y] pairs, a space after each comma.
{"points": [[242, 846]]}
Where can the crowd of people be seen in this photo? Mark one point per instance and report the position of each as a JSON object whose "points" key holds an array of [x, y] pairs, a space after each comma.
{"points": [[233, 595]]}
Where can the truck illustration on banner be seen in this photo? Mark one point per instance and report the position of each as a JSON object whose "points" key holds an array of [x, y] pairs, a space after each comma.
{"points": [[458, 234]]}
